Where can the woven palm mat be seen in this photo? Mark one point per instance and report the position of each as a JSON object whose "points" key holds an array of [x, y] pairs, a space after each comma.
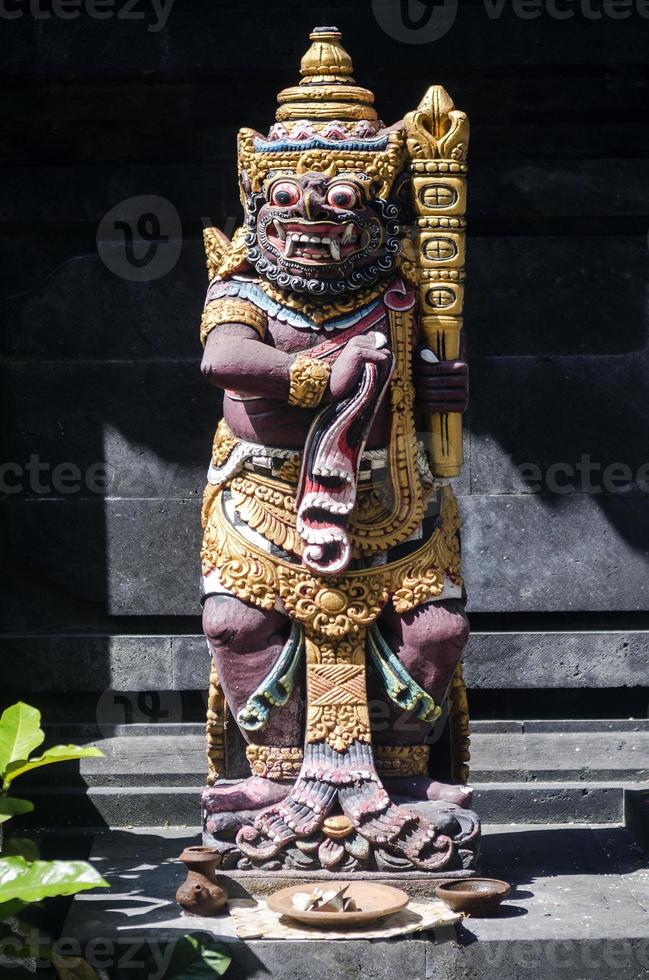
{"points": [[260, 922]]}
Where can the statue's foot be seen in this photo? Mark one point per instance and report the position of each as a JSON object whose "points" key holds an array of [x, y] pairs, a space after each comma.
{"points": [[422, 788], [248, 794]]}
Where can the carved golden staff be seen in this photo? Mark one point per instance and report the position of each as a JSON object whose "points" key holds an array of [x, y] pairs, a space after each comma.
{"points": [[437, 137]]}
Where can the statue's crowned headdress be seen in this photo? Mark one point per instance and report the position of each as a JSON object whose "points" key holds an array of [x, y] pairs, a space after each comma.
{"points": [[318, 189], [327, 123]]}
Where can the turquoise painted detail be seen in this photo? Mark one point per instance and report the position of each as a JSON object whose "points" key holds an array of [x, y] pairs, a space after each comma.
{"points": [[250, 290], [399, 685], [275, 690], [320, 143]]}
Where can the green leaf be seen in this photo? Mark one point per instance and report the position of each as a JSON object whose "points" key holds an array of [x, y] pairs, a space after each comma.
{"points": [[11, 806], [21, 846], [58, 753], [196, 957], [30, 882], [20, 733], [7, 909]]}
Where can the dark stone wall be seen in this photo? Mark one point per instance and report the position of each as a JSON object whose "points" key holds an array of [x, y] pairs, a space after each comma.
{"points": [[107, 424]]}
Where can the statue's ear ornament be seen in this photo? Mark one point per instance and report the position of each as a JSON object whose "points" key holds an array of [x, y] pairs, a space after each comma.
{"points": [[223, 256]]}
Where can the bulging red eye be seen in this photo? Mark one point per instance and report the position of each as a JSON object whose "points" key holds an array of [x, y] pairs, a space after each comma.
{"points": [[342, 196], [284, 193]]}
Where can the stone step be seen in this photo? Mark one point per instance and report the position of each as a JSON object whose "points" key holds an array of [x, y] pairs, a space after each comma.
{"points": [[530, 772], [167, 664], [554, 752], [179, 805], [509, 751]]}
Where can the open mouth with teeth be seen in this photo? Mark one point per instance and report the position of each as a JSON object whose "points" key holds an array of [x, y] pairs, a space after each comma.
{"points": [[316, 242]]}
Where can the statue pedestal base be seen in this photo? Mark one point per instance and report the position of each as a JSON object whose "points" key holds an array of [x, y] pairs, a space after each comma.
{"points": [[335, 850]]}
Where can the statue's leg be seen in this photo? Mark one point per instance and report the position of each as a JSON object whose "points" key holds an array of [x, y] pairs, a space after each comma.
{"points": [[429, 641], [245, 643]]}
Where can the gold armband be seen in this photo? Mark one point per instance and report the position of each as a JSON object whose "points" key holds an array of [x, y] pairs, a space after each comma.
{"points": [[308, 379], [232, 310]]}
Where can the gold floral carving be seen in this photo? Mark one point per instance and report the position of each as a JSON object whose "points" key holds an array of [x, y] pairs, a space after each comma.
{"points": [[324, 650], [268, 510], [338, 724], [224, 443], [215, 729], [268, 507], [308, 380], [274, 762], [285, 762], [248, 573], [337, 704], [382, 165], [423, 578], [332, 608], [217, 247], [232, 310], [209, 497], [437, 129], [402, 760], [337, 606], [224, 257]]}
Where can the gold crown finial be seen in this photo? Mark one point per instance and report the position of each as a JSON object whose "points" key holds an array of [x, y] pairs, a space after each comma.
{"points": [[326, 61], [327, 90]]}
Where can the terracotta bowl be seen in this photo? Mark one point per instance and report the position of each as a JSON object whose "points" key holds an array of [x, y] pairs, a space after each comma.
{"points": [[373, 902], [474, 896]]}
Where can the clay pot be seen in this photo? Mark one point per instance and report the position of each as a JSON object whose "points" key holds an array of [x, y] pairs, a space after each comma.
{"points": [[199, 893], [474, 896]]}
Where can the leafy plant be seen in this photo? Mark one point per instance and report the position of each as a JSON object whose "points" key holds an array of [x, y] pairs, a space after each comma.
{"points": [[24, 879], [195, 956]]}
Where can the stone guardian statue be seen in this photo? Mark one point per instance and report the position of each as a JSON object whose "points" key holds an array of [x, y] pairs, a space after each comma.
{"points": [[332, 587]]}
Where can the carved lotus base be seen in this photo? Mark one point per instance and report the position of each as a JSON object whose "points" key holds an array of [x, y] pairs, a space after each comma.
{"points": [[337, 847]]}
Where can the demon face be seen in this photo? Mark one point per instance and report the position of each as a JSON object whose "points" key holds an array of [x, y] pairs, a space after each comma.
{"points": [[320, 234]]}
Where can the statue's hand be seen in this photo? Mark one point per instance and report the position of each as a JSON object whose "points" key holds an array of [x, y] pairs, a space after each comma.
{"points": [[440, 386], [348, 368]]}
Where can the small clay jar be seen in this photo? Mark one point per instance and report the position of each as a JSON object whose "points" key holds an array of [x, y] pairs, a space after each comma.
{"points": [[199, 892]]}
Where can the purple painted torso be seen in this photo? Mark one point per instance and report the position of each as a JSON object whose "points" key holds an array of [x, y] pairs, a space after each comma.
{"points": [[275, 423]]}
